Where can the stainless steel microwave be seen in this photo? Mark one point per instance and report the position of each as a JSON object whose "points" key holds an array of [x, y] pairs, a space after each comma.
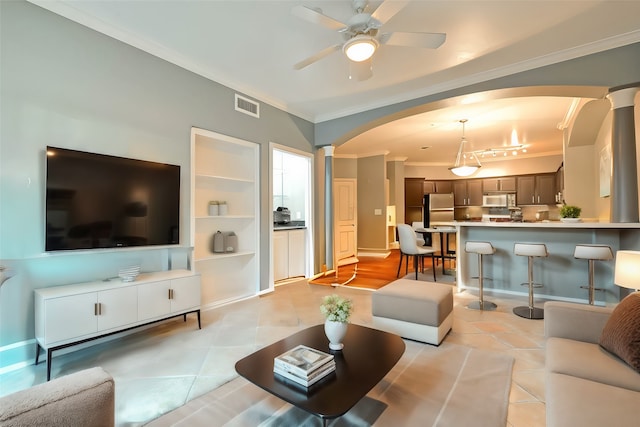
{"points": [[499, 200]]}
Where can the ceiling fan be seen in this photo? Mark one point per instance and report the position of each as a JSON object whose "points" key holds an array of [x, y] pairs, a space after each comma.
{"points": [[362, 36]]}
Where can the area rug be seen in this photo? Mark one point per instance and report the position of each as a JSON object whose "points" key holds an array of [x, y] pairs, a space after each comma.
{"points": [[450, 385]]}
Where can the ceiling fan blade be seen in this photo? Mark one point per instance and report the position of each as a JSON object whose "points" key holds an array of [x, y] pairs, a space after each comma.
{"points": [[425, 40], [361, 70], [319, 18], [318, 56], [387, 10]]}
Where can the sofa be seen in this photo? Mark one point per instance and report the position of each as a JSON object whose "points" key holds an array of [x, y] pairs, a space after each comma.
{"points": [[84, 398], [586, 384]]}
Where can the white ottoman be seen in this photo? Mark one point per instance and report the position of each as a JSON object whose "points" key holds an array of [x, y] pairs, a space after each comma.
{"points": [[421, 311]]}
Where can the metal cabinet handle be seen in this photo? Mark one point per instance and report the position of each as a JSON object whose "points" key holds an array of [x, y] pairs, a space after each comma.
{"points": [[170, 293], [97, 309]]}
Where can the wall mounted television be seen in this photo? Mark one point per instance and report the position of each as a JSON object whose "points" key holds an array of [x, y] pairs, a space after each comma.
{"points": [[100, 201]]}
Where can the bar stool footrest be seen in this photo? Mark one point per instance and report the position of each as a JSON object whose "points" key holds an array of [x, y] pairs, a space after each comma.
{"points": [[595, 289], [535, 285]]}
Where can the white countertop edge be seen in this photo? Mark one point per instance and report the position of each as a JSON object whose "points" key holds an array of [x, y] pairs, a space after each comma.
{"points": [[550, 224]]}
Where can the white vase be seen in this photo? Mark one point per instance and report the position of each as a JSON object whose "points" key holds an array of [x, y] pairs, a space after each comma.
{"points": [[335, 331]]}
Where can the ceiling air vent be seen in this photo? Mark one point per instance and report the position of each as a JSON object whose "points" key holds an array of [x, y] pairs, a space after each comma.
{"points": [[247, 106]]}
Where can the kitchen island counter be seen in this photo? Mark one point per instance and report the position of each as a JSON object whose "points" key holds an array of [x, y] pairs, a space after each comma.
{"points": [[544, 224], [560, 273]]}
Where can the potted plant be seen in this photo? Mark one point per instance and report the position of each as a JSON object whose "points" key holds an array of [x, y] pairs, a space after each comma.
{"points": [[337, 311], [570, 213]]}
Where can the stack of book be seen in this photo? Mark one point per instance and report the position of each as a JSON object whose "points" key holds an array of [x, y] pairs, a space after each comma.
{"points": [[304, 365]]}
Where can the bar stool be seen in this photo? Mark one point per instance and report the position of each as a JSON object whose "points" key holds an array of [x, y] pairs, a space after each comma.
{"points": [[480, 248], [530, 250], [593, 253]]}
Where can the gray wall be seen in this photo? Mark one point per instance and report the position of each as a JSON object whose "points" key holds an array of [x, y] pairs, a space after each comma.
{"points": [[65, 85]]}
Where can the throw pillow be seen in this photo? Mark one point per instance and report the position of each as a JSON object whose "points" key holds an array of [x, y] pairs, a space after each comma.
{"points": [[621, 334]]}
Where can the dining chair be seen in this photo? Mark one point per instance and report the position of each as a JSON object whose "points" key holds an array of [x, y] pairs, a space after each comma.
{"points": [[409, 247], [420, 241]]}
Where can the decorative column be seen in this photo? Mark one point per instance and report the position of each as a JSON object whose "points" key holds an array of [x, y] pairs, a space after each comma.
{"points": [[328, 205], [624, 188]]}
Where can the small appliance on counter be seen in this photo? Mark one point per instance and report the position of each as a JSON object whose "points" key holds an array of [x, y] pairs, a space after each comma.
{"points": [[516, 215], [542, 215], [281, 215]]}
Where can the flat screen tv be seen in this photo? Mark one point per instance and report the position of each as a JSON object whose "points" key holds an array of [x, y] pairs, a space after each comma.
{"points": [[100, 201]]}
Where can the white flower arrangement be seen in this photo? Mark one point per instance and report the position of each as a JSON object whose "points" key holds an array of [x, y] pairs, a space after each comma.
{"points": [[336, 308]]}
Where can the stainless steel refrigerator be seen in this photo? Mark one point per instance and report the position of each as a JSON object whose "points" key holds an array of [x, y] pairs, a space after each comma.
{"points": [[437, 208]]}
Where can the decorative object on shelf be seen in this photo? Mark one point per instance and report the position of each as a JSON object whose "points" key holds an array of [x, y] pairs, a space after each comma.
{"points": [[337, 311], [218, 242], [467, 162], [129, 274], [222, 207], [570, 213], [214, 209], [230, 241]]}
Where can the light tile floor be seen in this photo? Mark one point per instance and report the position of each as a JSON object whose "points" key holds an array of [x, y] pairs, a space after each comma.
{"points": [[165, 366]]}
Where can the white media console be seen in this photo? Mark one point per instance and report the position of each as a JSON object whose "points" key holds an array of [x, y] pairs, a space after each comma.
{"points": [[73, 314]]}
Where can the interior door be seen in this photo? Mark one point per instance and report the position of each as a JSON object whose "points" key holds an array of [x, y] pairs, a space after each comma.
{"points": [[345, 221]]}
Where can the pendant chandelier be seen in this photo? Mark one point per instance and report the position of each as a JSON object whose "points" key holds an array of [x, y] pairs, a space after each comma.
{"points": [[467, 162]]}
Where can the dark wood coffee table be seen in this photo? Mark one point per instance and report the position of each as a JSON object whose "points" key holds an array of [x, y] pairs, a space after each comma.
{"points": [[368, 355]]}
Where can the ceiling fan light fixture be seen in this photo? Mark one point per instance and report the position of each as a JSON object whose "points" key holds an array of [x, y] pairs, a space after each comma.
{"points": [[360, 48]]}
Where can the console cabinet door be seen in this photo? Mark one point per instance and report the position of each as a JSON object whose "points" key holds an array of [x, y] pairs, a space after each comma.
{"points": [[153, 300], [185, 293], [118, 307], [70, 317]]}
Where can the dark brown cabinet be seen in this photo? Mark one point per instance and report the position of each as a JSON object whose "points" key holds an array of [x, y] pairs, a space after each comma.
{"points": [[413, 193], [499, 184], [444, 187], [536, 189], [467, 192], [438, 187]]}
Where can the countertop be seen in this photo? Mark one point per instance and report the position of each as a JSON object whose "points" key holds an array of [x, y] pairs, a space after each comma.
{"points": [[543, 224], [293, 225]]}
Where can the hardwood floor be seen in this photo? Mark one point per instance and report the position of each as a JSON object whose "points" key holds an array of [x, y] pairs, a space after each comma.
{"points": [[373, 272]]}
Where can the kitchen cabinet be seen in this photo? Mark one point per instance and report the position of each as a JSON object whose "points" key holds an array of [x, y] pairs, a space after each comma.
{"points": [[467, 192], [71, 314], [438, 187], [499, 184], [536, 189], [225, 169], [289, 255], [413, 194]]}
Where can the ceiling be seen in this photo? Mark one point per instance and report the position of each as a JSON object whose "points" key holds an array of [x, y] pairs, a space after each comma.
{"points": [[252, 45]]}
